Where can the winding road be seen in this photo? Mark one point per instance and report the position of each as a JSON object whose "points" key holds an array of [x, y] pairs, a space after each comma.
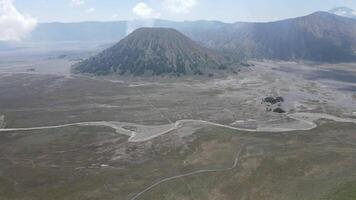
{"points": [[98, 123], [308, 119]]}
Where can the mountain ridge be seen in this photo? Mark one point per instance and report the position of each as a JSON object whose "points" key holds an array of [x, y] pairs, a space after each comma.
{"points": [[317, 37], [320, 36]]}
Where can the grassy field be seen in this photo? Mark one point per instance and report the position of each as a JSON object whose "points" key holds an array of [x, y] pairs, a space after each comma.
{"points": [[345, 192], [92, 162], [96, 163]]}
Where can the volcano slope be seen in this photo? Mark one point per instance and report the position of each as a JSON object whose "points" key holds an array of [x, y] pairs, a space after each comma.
{"points": [[154, 51]]}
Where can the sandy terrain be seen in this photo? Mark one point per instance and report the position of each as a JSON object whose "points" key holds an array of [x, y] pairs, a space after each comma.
{"points": [[76, 137]]}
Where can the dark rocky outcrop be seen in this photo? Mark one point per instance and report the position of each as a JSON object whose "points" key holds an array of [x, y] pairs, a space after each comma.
{"points": [[274, 104], [279, 110]]}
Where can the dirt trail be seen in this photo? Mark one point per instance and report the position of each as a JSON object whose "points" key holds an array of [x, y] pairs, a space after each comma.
{"points": [[235, 163], [145, 133]]}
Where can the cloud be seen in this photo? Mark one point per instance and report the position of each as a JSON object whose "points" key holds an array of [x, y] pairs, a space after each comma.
{"points": [[145, 17], [144, 11], [90, 10], [14, 26], [115, 16], [77, 2], [340, 12], [180, 6]]}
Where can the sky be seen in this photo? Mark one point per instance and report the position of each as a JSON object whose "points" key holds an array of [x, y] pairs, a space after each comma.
{"points": [[19, 17], [222, 10]]}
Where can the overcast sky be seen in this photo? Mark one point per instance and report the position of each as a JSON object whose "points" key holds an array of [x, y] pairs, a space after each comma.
{"points": [[18, 18], [222, 10]]}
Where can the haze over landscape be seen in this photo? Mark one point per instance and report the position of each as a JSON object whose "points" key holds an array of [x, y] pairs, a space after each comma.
{"points": [[177, 100]]}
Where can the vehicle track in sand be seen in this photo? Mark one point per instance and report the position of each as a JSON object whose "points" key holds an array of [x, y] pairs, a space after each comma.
{"points": [[307, 118], [236, 161]]}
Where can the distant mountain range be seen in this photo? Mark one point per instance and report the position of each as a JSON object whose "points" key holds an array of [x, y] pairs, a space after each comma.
{"points": [[79, 32], [318, 37], [321, 36], [154, 51]]}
